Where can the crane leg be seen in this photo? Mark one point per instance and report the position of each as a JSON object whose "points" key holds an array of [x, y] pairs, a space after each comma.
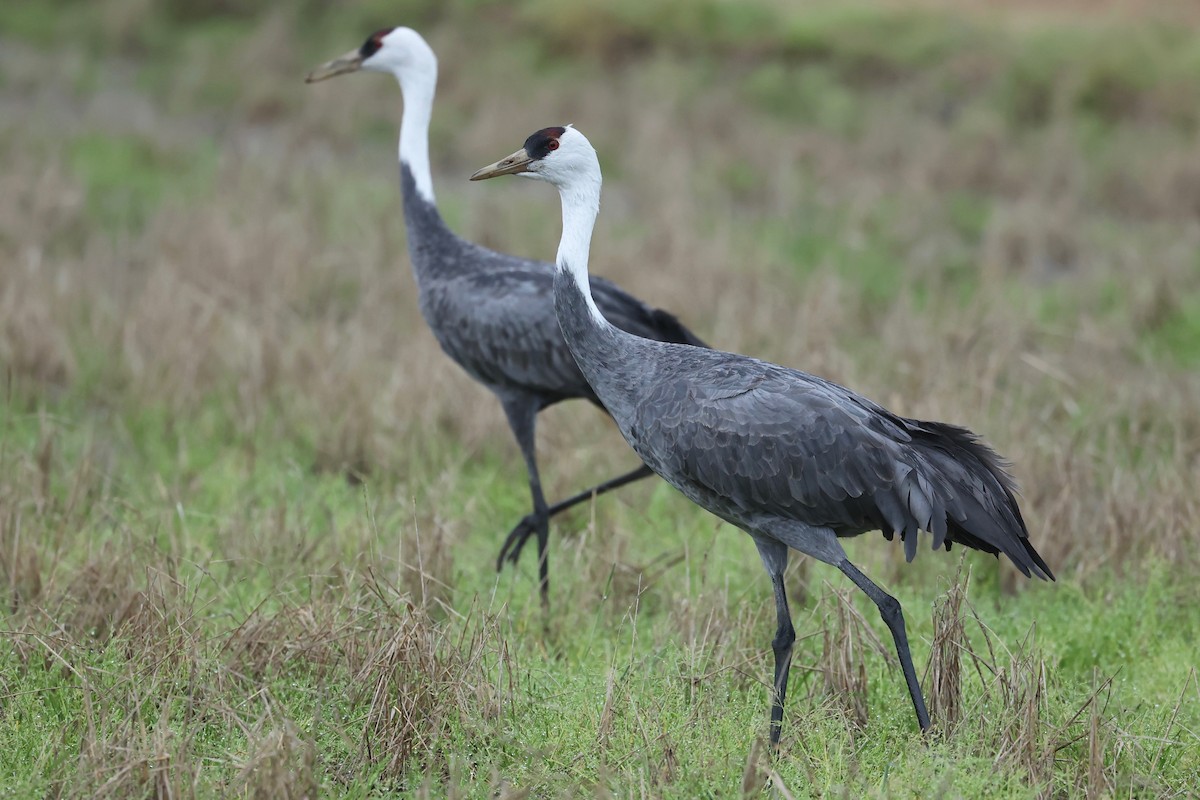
{"points": [[893, 617], [785, 637], [522, 418], [511, 550], [612, 483], [775, 556]]}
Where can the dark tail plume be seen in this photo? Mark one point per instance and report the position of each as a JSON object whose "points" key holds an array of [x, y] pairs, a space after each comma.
{"points": [[672, 330], [988, 518]]}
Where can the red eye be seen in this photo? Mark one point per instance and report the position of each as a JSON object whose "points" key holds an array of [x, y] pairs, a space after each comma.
{"points": [[553, 144]]}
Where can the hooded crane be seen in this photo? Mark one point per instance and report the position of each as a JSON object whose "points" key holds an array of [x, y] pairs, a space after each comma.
{"points": [[490, 312], [791, 459]]}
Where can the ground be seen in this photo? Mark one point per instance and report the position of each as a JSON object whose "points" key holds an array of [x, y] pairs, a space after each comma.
{"points": [[249, 512]]}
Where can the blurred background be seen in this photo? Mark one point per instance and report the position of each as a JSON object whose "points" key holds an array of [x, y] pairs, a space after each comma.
{"points": [[213, 365]]}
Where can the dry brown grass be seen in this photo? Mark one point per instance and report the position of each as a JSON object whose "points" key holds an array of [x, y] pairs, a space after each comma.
{"points": [[1073, 11], [280, 765], [417, 684], [846, 640], [944, 674], [1010, 695], [411, 673], [317, 335]]}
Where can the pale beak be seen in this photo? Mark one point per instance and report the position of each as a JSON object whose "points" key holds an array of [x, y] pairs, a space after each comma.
{"points": [[351, 62], [517, 162]]}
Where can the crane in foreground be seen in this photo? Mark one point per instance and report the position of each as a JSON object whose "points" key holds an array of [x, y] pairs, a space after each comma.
{"points": [[490, 312], [793, 460]]}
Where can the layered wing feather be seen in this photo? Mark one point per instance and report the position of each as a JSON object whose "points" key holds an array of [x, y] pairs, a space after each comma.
{"points": [[498, 322], [767, 439]]}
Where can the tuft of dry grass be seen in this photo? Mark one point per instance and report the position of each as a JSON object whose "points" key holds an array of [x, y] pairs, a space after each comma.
{"points": [[416, 685], [754, 776], [134, 760], [943, 676], [1010, 714], [845, 641], [279, 764], [1020, 686], [132, 637]]}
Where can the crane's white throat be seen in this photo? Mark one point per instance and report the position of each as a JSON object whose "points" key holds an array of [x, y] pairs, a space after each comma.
{"points": [[418, 91], [580, 206]]}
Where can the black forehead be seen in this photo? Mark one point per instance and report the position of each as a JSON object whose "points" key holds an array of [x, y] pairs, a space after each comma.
{"points": [[538, 144], [374, 42]]}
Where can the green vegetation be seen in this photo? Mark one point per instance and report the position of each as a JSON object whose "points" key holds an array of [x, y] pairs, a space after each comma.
{"points": [[126, 180], [248, 512], [207, 638]]}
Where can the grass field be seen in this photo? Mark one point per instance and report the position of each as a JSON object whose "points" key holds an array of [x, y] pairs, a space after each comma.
{"points": [[249, 512]]}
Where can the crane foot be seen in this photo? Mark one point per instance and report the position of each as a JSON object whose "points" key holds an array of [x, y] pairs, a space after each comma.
{"points": [[516, 539]]}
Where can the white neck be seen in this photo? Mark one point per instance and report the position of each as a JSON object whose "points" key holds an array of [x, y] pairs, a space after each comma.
{"points": [[414, 128], [580, 205]]}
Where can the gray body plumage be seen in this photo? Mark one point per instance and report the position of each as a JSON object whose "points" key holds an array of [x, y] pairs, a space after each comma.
{"points": [[792, 457]]}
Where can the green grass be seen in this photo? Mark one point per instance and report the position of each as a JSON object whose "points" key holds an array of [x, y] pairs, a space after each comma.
{"points": [[1176, 334], [231, 540], [126, 180]]}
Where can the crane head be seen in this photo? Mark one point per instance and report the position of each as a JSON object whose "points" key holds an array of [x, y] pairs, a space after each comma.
{"points": [[551, 154], [400, 51]]}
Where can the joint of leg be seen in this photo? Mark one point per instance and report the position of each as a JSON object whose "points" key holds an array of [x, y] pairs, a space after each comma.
{"points": [[783, 641], [889, 609]]}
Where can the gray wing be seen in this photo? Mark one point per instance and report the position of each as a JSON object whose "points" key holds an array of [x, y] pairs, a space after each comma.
{"points": [[501, 327], [630, 314], [771, 440], [498, 321]]}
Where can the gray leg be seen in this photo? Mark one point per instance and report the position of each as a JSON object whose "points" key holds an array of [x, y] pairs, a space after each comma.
{"points": [[775, 556], [522, 418], [889, 609], [612, 483], [511, 550]]}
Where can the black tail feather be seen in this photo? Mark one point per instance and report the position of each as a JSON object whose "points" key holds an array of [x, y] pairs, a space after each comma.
{"points": [[993, 523], [672, 330]]}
